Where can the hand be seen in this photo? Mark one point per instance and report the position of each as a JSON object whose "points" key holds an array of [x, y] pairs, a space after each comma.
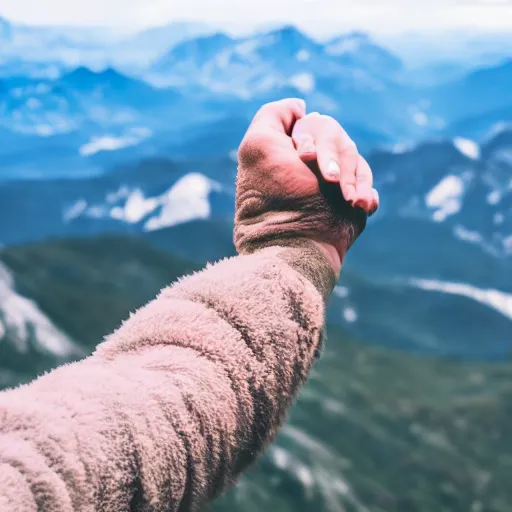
{"points": [[284, 194], [322, 141]]}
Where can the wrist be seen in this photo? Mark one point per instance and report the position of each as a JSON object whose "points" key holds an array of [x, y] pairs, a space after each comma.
{"points": [[333, 254]]}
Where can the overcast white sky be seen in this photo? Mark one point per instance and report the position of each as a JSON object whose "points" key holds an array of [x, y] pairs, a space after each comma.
{"points": [[385, 16]]}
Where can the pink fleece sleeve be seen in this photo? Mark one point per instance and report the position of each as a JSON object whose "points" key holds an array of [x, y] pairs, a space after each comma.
{"points": [[177, 402]]}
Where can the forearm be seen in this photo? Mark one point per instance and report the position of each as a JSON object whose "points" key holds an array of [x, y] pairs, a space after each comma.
{"points": [[178, 401]]}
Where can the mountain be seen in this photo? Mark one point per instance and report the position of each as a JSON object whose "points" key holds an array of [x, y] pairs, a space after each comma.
{"points": [[491, 85], [5, 30], [354, 86], [142, 48], [83, 99], [216, 60], [42, 49], [374, 429], [216, 75], [378, 430], [116, 117], [451, 197], [466, 47], [484, 126], [94, 284], [358, 50], [144, 197], [39, 50], [454, 183], [73, 125], [278, 58]]}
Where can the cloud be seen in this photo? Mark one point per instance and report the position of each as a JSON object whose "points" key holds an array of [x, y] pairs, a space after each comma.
{"points": [[317, 15]]}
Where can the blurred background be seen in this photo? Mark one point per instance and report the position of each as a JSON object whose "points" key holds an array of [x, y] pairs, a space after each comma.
{"points": [[119, 125]]}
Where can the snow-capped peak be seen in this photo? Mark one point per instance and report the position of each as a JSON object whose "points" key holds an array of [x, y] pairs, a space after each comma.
{"points": [[349, 43], [467, 147], [23, 318]]}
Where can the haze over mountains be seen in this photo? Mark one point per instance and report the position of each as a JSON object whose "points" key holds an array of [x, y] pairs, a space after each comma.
{"points": [[117, 175], [88, 106]]}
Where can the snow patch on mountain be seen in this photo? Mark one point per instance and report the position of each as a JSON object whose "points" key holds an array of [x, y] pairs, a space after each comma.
{"points": [[502, 156], [498, 300], [498, 218], [350, 315], [467, 147], [341, 291], [445, 197], [304, 82], [23, 317], [136, 207], [185, 201], [110, 143], [302, 56], [420, 118], [402, 147], [494, 197], [467, 235], [344, 45], [496, 129], [75, 210]]}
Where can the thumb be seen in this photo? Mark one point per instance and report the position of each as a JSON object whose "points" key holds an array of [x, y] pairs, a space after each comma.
{"points": [[279, 115]]}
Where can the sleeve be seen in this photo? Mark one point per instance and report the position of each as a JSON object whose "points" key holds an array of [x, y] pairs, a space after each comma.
{"points": [[178, 401]]}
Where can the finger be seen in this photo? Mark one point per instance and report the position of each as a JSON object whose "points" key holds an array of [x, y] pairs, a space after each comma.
{"points": [[376, 202], [280, 115], [364, 175], [365, 197], [303, 139], [337, 155]]}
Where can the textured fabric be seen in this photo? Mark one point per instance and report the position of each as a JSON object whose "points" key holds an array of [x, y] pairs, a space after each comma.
{"points": [[177, 402]]}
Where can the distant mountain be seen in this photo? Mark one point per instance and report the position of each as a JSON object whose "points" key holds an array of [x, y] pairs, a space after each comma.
{"points": [[151, 195], [61, 47], [215, 61], [5, 30], [216, 76], [482, 127], [456, 183], [143, 48], [358, 50], [278, 58], [94, 285], [349, 438], [491, 85], [41, 49], [467, 47], [442, 236], [84, 98], [73, 125], [459, 184], [355, 86]]}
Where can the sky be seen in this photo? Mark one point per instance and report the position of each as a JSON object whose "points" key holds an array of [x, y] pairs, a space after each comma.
{"points": [[385, 16]]}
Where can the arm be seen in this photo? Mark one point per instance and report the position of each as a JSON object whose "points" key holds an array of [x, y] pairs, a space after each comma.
{"points": [[179, 400]]}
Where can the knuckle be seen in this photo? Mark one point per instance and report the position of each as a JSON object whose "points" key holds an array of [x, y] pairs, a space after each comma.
{"points": [[350, 147], [253, 148]]}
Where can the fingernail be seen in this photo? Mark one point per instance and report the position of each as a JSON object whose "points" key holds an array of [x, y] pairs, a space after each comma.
{"points": [[333, 170]]}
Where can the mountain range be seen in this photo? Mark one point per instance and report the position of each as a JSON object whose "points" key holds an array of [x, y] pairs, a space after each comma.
{"points": [[90, 120], [452, 198], [117, 176], [375, 429]]}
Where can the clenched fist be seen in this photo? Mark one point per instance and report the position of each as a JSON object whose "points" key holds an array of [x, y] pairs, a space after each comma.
{"points": [[300, 176]]}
